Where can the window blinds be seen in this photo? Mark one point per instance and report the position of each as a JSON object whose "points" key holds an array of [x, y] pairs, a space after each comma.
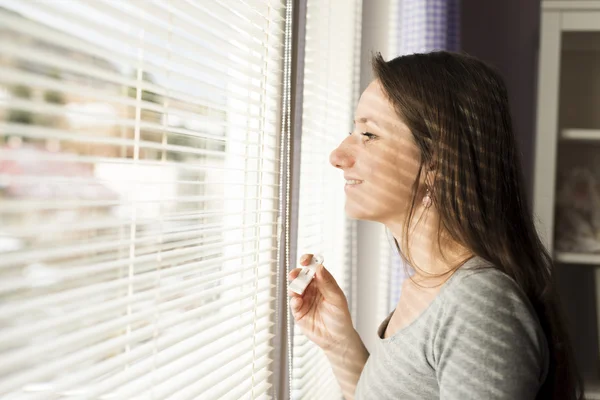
{"points": [[330, 92], [139, 197]]}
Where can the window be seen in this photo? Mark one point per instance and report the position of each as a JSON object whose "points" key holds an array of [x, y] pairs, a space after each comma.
{"points": [[139, 197], [331, 80], [145, 212]]}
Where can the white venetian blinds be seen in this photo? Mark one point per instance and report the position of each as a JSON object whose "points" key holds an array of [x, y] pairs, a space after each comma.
{"points": [[139, 197], [330, 92]]}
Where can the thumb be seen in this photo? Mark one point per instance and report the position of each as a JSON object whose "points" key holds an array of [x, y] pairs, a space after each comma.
{"points": [[325, 281]]}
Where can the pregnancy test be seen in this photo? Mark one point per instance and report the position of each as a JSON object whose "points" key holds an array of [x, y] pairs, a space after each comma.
{"points": [[299, 284]]}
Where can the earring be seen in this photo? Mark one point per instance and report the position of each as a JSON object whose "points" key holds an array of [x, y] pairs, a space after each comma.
{"points": [[427, 199]]}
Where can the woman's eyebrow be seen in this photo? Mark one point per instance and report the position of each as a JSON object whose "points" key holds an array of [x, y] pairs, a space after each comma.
{"points": [[364, 120]]}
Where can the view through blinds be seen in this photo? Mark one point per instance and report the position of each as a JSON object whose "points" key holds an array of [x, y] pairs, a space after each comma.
{"points": [[330, 88], [139, 197]]}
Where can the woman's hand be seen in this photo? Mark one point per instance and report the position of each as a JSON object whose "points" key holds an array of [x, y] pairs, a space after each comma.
{"points": [[321, 311]]}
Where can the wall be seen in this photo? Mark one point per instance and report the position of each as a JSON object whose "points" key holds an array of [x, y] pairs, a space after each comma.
{"points": [[505, 33]]}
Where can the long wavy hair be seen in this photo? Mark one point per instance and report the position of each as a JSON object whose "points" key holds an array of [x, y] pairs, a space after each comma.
{"points": [[457, 109]]}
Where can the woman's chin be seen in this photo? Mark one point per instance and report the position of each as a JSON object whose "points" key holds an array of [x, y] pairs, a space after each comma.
{"points": [[356, 211]]}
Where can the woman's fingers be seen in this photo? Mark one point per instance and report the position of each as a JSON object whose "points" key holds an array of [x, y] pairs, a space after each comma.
{"points": [[301, 305], [293, 274], [305, 259], [296, 304], [297, 301]]}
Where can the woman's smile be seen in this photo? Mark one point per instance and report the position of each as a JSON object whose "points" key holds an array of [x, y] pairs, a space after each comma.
{"points": [[351, 184]]}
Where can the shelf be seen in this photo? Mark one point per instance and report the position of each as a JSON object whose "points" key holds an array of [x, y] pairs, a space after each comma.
{"points": [[580, 134], [592, 394], [592, 390], [568, 133], [577, 258], [570, 5]]}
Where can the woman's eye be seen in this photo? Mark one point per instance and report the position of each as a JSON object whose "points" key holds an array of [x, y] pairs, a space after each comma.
{"points": [[369, 136]]}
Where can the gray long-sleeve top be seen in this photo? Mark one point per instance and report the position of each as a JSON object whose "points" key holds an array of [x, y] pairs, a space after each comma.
{"points": [[479, 339]]}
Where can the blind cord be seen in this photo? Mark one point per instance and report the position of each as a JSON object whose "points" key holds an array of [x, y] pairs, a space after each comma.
{"points": [[287, 129]]}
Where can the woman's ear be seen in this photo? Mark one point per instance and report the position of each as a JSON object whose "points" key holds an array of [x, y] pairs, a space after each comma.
{"points": [[430, 176], [432, 165]]}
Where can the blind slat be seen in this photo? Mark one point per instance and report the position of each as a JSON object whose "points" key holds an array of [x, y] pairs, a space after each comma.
{"points": [[47, 133], [58, 179], [78, 294], [100, 311], [103, 245], [241, 79], [148, 127], [30, 205], [49, 157], [206, 384], [258, 385], [245, 378], [115, 37], [203, 360], [24, 230], [86, 341], [142, 264], [99, 369], [15, 77], [140, 183]]}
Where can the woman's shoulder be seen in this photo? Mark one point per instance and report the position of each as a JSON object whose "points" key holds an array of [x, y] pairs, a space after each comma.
{"points": [[484, 295], [485, 308], [478, 277]]}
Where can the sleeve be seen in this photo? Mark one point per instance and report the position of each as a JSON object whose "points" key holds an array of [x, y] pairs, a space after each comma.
{"points": [[490, 344]]}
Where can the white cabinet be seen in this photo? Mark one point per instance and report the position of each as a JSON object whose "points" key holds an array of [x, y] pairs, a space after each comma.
{"points": [[567, 165]]}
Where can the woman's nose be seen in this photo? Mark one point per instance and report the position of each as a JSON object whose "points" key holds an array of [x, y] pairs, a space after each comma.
{"points": [[341, 157]]}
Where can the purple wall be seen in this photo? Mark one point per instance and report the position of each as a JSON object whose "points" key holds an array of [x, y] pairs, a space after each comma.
{"points": [[505, 33]]}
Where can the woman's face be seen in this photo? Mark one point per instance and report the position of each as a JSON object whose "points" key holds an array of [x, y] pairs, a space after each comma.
{"points": [[381, 154]]}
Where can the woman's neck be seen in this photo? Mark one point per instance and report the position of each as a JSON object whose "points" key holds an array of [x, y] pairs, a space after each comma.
{"points": [[433, 260]]}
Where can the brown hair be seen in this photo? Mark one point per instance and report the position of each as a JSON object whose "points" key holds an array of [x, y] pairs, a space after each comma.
{"points": [[457, 109]]}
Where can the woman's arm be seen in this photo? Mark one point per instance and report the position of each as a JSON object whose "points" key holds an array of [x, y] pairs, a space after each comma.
{"points": [[347, 362], [490, 345]]}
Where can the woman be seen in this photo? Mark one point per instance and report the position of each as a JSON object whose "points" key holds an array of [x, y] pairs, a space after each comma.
{"points": [[433, 157]]}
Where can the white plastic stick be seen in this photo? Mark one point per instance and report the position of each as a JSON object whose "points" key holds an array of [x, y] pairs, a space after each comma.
{"points": [[300, 283]]}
